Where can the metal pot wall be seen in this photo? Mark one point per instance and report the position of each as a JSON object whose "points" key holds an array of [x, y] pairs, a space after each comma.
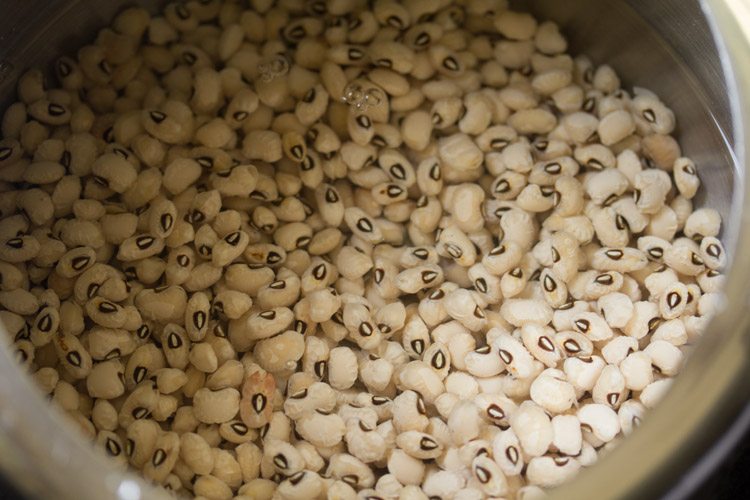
{"points": [[692, 54]]}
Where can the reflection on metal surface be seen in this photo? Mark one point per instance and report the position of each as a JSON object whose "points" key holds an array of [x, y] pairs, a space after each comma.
{"points": [[741, 10], [682, 66], [129, 490], [712, 390], [6, 68]]}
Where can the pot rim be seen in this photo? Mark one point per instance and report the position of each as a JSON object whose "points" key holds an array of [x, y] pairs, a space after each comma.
{"points": [[627, 472], [701, 431]]}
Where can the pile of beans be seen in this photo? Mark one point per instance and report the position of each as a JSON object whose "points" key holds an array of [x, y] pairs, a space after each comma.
{"points": [[344, 249]]}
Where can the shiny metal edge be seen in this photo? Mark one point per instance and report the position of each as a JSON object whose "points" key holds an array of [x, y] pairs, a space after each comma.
{"points": [[105, 482], [707, 464], [713, 390], [44, 434], [74, 458]]}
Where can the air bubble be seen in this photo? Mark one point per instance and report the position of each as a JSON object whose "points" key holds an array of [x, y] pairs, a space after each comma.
{"points": [[361, 99], [373, 97], [274, 68]]}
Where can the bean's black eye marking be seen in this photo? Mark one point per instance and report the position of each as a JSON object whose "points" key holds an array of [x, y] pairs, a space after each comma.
{"points": [[157, 116]]}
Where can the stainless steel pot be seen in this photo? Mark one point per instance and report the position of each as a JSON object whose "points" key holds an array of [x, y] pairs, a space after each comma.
{"points": [[692, 54]]}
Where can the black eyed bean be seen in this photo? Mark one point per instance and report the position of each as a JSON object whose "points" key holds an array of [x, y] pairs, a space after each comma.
{"points": [[164, 457], [197, 313]]}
